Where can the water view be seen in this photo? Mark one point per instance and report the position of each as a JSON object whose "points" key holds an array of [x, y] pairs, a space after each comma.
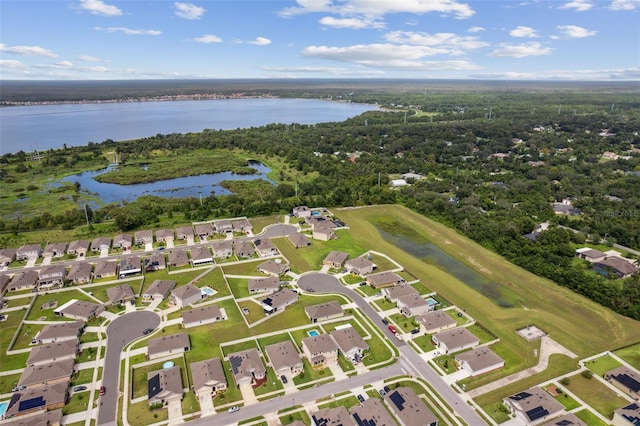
{"points": [[43, 127], [189, 186], [432, 254]]}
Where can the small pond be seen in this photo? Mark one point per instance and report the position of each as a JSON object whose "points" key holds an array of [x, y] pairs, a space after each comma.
{"points": [[188, 186]]}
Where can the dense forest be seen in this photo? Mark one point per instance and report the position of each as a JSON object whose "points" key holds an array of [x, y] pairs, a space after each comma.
{"points": [[492, 163]]}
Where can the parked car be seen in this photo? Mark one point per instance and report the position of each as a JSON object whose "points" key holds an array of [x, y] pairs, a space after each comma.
{"points": [[382, 392], [360, 398], [283, 378], [384, 321], [233, 409], [387, 389], [392, 329], [415, 331], [79, 388], [147, 331], [103, 390]]}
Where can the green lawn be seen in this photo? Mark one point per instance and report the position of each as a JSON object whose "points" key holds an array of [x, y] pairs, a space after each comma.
{"points": [[78, 402], [61, 297], [446, 363], [310, 374], [421, 288], [403, 323], [8, 382], [589, 418], [460, 320], [384, 304], [26, 334], [82, 377], [230, 349], [601, 365], [481, 333], [239, 287], [597, 395], [297, 415], [424, 342], [245, 268], [181, 278], [631, 354], [512, 362], [272, 384], [348, 402], [139, 414]]}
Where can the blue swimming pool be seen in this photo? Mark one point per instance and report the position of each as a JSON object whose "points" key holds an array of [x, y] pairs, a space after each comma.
{"points": [[207, 291], [313, 333], [3, 408], [432, 302]]}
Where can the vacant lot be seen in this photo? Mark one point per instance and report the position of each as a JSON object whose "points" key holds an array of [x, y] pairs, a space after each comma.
{"points": [[597, 395]]}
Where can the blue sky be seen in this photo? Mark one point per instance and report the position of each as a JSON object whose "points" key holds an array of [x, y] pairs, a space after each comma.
{"points": [[488, 39]]}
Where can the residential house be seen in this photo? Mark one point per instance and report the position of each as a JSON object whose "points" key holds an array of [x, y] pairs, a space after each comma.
{"points": [[265, 247], [409, 408], [24, 281], [120, 294], [566, 420], [101, 243], [533, 406], [479, 361], [50, 373], [55, 250], [372, 413], [164, 386], [155, 262], [615, 267], [413, 304], [393, 293], [29, 251], [7, 255], [335, 259], [105, 269], [279, 300], [284, 358], [59, 332], [244, 249], [590, 255], [184, 233], [204, 230], [625, 379], [384, 279], [629, 415], [302, 212], [185, 295], [4, 283], [208, 376], [350, 343], [200, 256], [454, 340], [79, 310], [164, 235], [565, 207], [159, 290], [299, 240], [38, 405], [223, 226], [178, 259], [242, 225], [323, 231], [320, 350], [78, 248], [359, 266], [168, 345], [324, 311], [338, 416], [130, 266], [248, 368], [397, 183], [274, 267], [204, 315], [261, 285], [52, 276], [143, 237], [436, 321], [52, 352], [122, 241], [222, 249]]}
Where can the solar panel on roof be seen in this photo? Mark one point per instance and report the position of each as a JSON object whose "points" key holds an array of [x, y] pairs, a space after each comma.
{"points": [[564, 423], [267, 301], [153, 386], [236, 362], [628, 381], [537, 413], [397, 400], [31, 403], [519, 396], [364, 422]]}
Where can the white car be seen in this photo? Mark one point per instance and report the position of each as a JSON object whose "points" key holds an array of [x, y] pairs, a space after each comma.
{"points": [[233, 409]]}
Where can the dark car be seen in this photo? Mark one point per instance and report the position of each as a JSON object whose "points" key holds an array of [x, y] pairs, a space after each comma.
{"points": [[79, 388], [387, 389], [384, 321], [147, 331], [360, 398], [415, 331], [283, 378], [103, 390]]}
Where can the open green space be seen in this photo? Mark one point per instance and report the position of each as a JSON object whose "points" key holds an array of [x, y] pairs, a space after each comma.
{"points": [[8, 382], [77, 403], [384, 304], [26, 333], [244, 268], [82, 377], [296, 415], [421, 288], [61, 297], [589, 418], [599, 397], [139, 414], [9, 328], [631, 354], [601, 365], [238, 347], [239, 287]]}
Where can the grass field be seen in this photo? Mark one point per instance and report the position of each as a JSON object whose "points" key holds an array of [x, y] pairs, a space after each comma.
{"points": [[601, 365], [631, 354], [597, 395]]}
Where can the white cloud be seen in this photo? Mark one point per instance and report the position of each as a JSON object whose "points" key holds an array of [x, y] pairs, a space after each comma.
{"points": [[572, 31], [11, 63], [260, 41], [128, 31], [521, 31], [442, 40], [27, 50], [402, 57], [98, 7], [208, 38], [352, 23], [188, 10], [578, 5], [624, 4], [88, 58], [379, 8], [521, 50], [577, 75], [475, 29], [323, 70]]}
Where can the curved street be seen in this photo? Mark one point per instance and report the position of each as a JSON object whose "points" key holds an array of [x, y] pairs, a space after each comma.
{"points": [[120, 332]]}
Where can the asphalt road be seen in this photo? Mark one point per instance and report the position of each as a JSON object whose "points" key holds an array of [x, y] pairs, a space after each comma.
{"points": [[120, 332]]}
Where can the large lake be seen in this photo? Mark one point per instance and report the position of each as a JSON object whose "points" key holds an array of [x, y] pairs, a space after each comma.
{"points": [[51, 126]]}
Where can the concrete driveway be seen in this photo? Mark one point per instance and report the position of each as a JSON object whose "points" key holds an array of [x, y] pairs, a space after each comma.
{"points": [[175, 411], [206, 403]]}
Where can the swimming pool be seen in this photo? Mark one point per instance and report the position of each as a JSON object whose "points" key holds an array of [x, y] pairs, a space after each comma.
{"points": [[3, 408], [432, 302], [207, 291], [313, 333]]}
